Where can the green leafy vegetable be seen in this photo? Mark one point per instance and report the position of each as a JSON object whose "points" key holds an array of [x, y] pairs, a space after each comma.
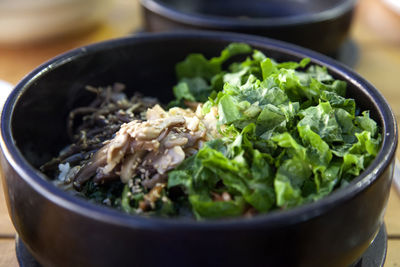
{"points": [[289, 135], [276, 135], [198, 77]]}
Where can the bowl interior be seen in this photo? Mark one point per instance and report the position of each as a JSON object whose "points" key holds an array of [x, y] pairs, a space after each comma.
{"points": [[144, 65], [252, 8]]}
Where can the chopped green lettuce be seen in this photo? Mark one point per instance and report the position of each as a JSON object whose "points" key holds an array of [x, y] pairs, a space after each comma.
{"points": [[289, 134], [198, 77]]}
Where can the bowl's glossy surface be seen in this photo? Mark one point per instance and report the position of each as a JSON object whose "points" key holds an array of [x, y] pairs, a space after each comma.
{"points": [[62, 230], [318, 25]]}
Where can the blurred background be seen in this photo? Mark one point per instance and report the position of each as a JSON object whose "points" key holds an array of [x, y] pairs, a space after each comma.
{"points": [[33, 31]]}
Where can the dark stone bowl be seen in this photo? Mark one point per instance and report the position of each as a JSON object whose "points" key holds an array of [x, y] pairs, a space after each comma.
{"points": [[318, 25], [62, 230]]}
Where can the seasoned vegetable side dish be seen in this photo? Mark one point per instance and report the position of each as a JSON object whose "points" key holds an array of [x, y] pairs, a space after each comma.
{"points": [[245, 135]]}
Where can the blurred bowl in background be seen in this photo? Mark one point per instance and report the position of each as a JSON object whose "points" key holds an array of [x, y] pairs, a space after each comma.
{"points": [[26, 21], [319, 25]]}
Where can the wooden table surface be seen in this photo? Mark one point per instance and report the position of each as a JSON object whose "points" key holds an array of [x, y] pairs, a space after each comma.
{"points": [[376, 33]]}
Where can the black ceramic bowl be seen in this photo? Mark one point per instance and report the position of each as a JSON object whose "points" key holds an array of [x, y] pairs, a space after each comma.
{"points": [[315, 24], [62, 230]]}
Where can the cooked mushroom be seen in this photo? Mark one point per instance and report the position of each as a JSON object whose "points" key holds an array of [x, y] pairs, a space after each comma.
{"points": [[146, 149]]}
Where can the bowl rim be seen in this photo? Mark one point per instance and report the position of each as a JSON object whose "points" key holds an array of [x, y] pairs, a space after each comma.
{"points": [[213, 21], [57, 196]]}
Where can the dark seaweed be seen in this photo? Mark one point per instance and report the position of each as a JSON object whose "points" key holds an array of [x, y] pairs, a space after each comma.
{"points": [[89, 126]]}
